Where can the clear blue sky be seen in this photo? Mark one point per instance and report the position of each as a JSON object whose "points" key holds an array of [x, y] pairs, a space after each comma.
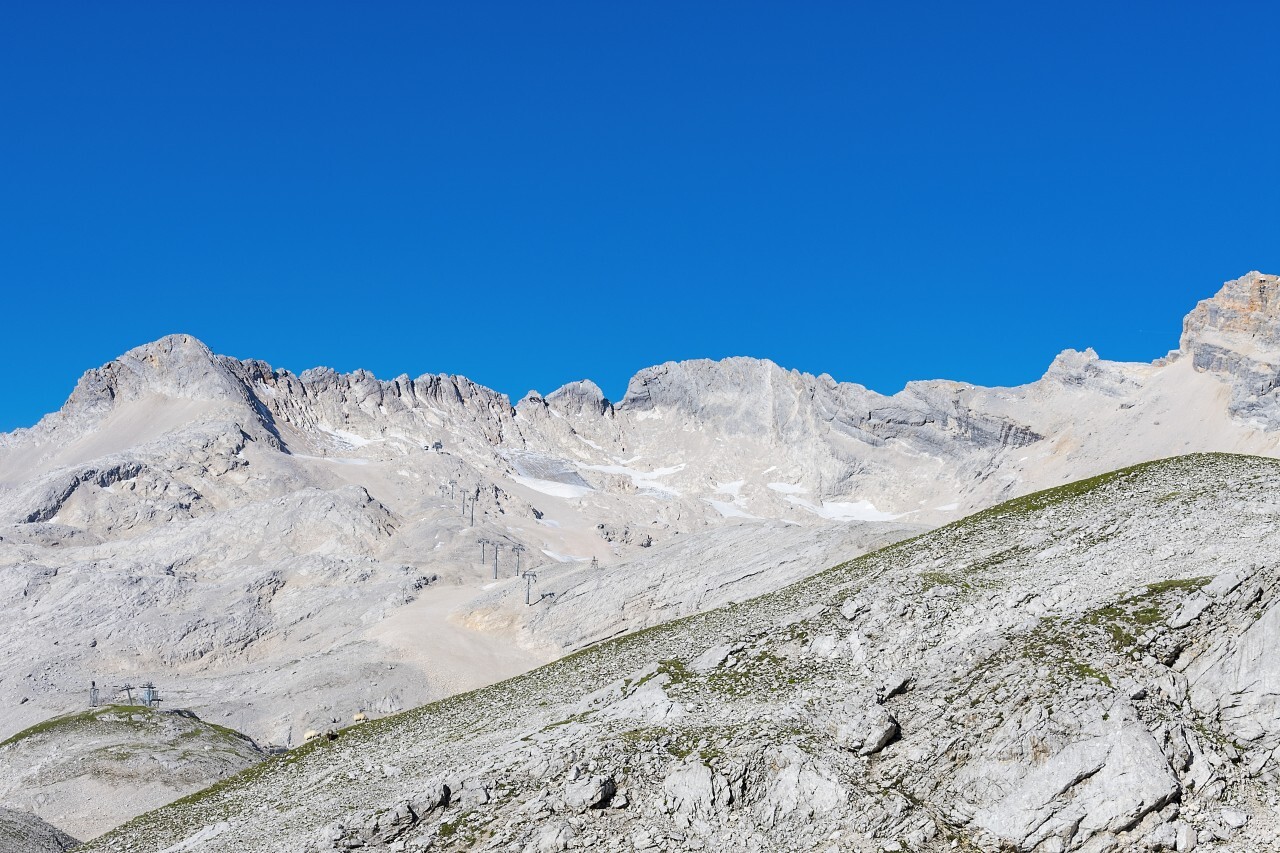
{"points": [[531, 193]]}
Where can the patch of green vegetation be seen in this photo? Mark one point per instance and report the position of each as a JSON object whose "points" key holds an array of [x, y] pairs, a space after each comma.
{"points": [[971, 576], [1084, 670], [1177, 584], [47, 726], [680, 749], [639, 735], [680, 743], [83, 718], [574, 718], [1052, 643], [995, 559], [749, 674], [677, 742], [1127, 618], [204, 728], [464, 831], [931, 579], [1070, 492], [675, 670], [135, 716], [1037, 501]]}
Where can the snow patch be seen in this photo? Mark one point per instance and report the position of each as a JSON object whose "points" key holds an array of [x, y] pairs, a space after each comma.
{"points": [[844, 510], [349, 438], [551, 487], [731, 489], [642, 480], [788, 489], [729, 510]]}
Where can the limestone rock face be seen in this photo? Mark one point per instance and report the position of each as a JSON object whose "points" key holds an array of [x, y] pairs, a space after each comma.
{"points": [[697, 793], [1098, 776], [580, 399], [1237, 683], [589, 792], [177, 367], [1237, 333]]}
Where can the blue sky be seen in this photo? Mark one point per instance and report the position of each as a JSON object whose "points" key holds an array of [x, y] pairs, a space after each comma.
{"points": [[532, 193]]}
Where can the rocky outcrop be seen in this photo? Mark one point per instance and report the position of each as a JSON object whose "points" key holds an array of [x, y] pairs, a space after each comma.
{"points": [[745, 396], [360, 408], [580, 399], [1237, 334], [178, 369], [862, 725], [1236, 682]]}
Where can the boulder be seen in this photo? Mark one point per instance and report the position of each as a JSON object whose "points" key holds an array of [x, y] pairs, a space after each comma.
{"points": [[589, 792], [863, 726]]}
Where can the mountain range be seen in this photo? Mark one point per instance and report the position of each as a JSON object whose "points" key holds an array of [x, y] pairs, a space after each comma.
{"points": [[280, 552]]}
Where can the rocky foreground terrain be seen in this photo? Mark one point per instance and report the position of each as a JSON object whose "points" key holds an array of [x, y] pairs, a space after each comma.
{"points": [[1088, 668], [280, 552]]}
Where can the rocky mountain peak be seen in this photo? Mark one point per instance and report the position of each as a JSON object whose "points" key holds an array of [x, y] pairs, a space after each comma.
{"points": [[1244, 314], [1237, 333], [688, 384], [582, 397], [177, 366]]}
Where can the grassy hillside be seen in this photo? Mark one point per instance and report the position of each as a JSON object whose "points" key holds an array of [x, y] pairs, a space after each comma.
{"points": [[56, 767]]}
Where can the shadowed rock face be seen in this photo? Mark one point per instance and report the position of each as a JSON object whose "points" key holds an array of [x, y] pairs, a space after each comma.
{"points": [[23, 832]]}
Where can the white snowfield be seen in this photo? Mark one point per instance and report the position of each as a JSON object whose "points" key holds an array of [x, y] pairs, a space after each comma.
{"points": [[280, 551]]}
